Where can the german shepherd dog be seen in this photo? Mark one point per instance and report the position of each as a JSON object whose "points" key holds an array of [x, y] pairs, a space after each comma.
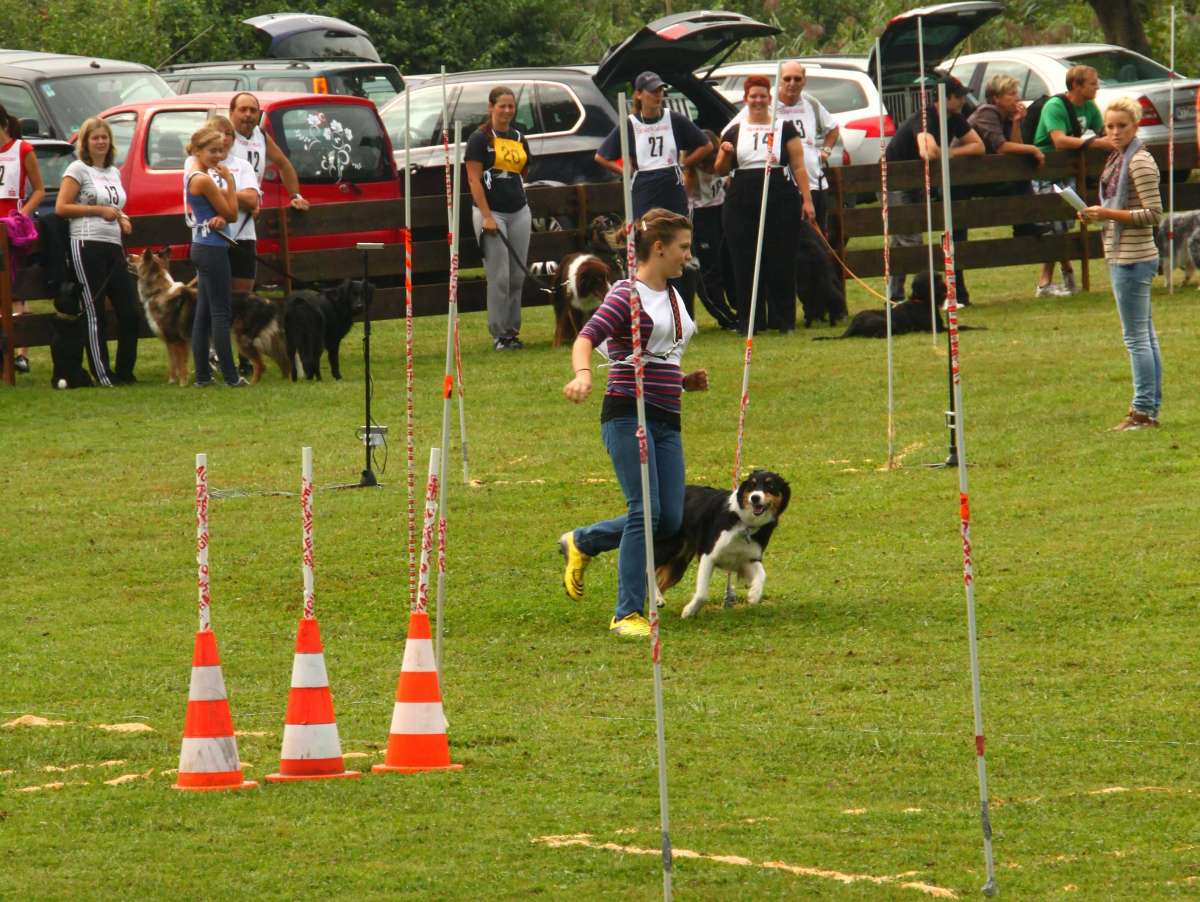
{"points": [[170, 308], [1183, 231], [256, 325], [316, 321], [728, 530], [912, 315]]}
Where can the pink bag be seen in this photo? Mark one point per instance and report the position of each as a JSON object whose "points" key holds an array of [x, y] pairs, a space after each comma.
{"points": [[22, 234]]}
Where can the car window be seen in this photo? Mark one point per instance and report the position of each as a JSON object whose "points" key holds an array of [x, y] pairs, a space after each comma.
{"points": [[299, 85], [329, 142], [19, 103], [426, 130], [560, 109], [472, 106], [1030, 85], [175, 83], [53, 160], [377, 85], [838, 95], [122, 125], [168, 136], [76, 98], [962, 71], [1119, 67], [198, 85]]}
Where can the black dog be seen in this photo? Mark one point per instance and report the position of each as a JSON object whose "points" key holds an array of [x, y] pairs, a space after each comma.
{"points": [[913, 315], [729, 530], [822, 293], [316, 320], [66, 342]]}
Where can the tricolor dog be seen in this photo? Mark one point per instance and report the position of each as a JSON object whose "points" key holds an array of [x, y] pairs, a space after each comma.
{"points": [[728, 530]]}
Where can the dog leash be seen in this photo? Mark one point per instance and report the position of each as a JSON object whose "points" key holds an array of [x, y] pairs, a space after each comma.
{"points": [[521, 263], [851, 272], [281, 270]]}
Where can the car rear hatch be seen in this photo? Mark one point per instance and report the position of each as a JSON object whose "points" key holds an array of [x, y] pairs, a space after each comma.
{"points": [[301, 36], [674, 47], [943, 27]]}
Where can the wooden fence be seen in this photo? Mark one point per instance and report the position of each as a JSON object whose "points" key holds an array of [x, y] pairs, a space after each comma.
{"points": [[579, 203]]}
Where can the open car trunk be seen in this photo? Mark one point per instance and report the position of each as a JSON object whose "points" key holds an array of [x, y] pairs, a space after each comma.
{"points": [[304, 37], [944, 28]]}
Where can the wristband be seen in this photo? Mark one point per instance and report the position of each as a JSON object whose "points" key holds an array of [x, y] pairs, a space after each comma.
{"points": [[1087, 142]]}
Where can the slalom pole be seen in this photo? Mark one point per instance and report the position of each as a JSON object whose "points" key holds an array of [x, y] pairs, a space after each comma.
{"points": [[308, 562], [1171, 165], [202, 584], [452, 213], [964, 507], [933, 313], [635, 311], [887, 268], [447, 397], [744, 398], [408, 352]]}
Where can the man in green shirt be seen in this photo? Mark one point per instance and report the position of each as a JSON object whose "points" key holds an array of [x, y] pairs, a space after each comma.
{"points": [[1055, 132]]}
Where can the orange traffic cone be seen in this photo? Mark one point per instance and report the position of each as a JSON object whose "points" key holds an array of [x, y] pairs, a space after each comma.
{"points": [[418, 736], [311, 748], [208, 759]]}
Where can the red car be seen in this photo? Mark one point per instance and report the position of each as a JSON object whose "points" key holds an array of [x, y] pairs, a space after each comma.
{"points": [[338, 146]]}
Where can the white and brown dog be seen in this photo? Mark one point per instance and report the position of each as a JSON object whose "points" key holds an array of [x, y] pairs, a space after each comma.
{"points": [[582, 279], [728, 530]]}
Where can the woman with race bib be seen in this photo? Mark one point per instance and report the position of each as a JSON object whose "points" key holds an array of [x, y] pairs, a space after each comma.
{"points": [[92, 198], [748, 149], [18, 170], [661, 142], [497, 158]]}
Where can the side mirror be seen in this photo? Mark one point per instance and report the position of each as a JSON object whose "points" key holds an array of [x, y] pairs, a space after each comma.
{"points": [[30, 127]]}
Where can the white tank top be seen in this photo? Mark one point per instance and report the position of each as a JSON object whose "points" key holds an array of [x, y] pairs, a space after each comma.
{"points": [[755, 143], [654, 144], [253, 150], [12, 172], [805, 118]]}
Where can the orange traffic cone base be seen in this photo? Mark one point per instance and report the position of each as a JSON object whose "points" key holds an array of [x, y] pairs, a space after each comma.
{"points": [[394, 769], [294, 778], [245, 784]]}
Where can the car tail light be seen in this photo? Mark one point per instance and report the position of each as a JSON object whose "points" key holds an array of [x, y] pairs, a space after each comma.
{"points": [[870, 126], [845, 157], [320, 85], [1149, 113]]}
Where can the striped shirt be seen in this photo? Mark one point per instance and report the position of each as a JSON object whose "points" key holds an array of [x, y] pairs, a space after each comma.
{"points": [[664, 337], [1145, 203]]}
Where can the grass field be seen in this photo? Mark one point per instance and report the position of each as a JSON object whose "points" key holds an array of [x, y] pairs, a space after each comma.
{"points": [[819, 745]]}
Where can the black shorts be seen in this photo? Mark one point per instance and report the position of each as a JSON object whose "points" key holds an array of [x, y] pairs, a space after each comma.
{"points": [[241, 259]]}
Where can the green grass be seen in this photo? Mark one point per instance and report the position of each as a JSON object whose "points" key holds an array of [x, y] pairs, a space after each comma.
{"points": [[847, 690]]}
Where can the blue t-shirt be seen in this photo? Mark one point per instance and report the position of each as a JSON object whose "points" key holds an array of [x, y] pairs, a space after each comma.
{"points": [[202, 211]]}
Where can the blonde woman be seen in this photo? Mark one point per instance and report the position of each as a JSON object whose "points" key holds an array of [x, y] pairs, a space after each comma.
{"points": [[1130, 207], [91, 197], [211, 204]]}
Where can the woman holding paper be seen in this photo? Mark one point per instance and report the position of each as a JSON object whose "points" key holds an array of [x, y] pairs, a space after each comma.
{"points": [[1130, 207]]}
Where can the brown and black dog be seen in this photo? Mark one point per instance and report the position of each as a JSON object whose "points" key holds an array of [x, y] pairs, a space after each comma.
{"points": [[582, 279], [170, 308]]}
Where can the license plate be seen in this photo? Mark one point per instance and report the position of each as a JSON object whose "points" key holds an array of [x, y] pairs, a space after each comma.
{"points": [[1185, 113]]}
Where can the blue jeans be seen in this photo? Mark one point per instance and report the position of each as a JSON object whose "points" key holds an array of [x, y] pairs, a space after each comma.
{"points": [[213, 299], [1131, 287], [626, 533]]}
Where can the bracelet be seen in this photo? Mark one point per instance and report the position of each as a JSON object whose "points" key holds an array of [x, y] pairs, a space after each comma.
{"points": [[1087, 142]]}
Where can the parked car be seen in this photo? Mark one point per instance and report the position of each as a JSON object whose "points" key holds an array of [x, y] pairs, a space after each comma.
{"points": [[302, 53], [336, 143], [53, 156], [844, 90], [1042, 70], [567, 111], [52, 93]]}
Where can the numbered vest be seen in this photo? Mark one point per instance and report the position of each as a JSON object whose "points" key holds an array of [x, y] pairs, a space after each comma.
{"points": [[106, 183], [253, 150], [710, 190], [12, 172], [756, 143], [510, 154], [654, 144], [804, 117]]}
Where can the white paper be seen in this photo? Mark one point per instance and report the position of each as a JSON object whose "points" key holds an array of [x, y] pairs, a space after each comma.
{"points": [[1068, 194]]}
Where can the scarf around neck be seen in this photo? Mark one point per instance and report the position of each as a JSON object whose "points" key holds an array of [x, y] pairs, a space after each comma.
{"points": [[1114, 183]]}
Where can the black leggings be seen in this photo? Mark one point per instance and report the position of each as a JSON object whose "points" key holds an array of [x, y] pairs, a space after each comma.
{"points": [[101, 271], [777, 284]]}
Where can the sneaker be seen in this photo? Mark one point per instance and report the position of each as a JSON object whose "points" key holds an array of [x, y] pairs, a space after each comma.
{"points": [[126, 380], [242, 382], [1135, 419], [631, 626], [500, 344], [577, 562], [21, 363], [1068, 283], [515, 344], [207, 383], [1050, 290], [245, 367]]}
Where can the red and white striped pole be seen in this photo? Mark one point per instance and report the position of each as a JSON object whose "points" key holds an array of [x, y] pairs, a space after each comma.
{"points": [[964, 505], [202, 584], [410, 448], [933, 313], [452, 214], [887, 265], [639, 363], [1171, 163]]}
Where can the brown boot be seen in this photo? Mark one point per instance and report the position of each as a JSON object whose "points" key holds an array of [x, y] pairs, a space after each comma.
{"points": [[1135, 419]]}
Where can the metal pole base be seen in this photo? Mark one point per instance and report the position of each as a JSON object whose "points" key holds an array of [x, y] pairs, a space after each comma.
{"points": [[990, 889], [730, 597], [368, 480], [950, 461]]}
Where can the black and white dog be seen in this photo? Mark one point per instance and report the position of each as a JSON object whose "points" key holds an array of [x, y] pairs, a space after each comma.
{"points": [[729, 530]]}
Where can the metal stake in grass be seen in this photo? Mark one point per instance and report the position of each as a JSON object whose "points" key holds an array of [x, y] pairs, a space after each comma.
{"points": [[964, 506], [744, 398], [411, 473], [933, 313], [887, 265], [448, 391], [202, 584], [452, 213], [635, 311]]}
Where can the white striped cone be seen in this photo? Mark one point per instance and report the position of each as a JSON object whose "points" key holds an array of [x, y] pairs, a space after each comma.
{"points": [[311, 747], [208, 758]]}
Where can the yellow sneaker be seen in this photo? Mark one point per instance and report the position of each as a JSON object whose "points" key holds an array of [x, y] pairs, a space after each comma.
{"points": [[631, 626], [577, 562]]}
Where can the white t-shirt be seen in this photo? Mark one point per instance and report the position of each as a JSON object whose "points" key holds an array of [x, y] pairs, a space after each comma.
{"points": [[668, 339], [97, 188], [812, 122], [244, 177], [253, 150]]}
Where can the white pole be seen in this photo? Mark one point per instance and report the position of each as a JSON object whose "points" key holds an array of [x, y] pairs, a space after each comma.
{"points": [[308, 563], [429, 518], [744, 397], [408, 352], [964, 507], [447, 396], [1171, 165], [933, 313], [887, 267], [635, 305], [202, 575]]}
